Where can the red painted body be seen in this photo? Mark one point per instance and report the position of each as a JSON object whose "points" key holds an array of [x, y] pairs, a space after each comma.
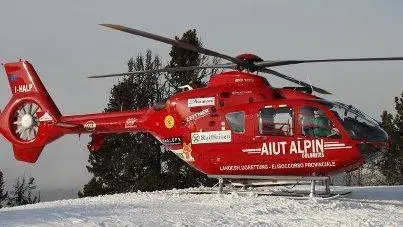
{"points": [[193, 125]]}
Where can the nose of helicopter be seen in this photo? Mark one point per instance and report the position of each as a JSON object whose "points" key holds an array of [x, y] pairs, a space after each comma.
{"points": [[373, 152]]}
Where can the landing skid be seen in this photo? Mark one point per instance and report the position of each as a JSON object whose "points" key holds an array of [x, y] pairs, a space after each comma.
{"points": [[280, 193], [275, 191]]}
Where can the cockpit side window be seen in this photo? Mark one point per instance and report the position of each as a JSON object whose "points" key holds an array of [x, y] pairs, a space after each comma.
{"points": [[236, 121], [359, 125], [315, 123], [276, 122]]}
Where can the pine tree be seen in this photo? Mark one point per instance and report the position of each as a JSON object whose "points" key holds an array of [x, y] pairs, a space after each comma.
{"points": [[129, 162], [181, 173], [92, 188], [3, 195], [393, 158], [182, 58], [24, 192]]}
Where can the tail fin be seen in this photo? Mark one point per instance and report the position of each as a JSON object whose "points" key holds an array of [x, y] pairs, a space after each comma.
{"points": [[29, 121]]}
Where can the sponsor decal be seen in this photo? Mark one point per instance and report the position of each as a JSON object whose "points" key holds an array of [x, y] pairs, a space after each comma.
{"points": [[23, 88], [198, 115], [12, 78], [241, 80], [131, 123], [46, 117], [209, 101], [169, 121], [211, 137], [185, 153], [90, 126], [172, 141], [306, 148], [241, 92]]}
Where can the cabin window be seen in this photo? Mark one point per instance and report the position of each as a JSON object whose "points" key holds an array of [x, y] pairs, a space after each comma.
{"points": [[236, 121], [315, 123], [276, 121]]}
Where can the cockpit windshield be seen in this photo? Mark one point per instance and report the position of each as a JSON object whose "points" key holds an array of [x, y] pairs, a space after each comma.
{"points": [[359, 125]]}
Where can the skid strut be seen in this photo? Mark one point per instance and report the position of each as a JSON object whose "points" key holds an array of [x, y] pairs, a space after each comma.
{"points": [[327, 186], [312, 192], [220, 185]]}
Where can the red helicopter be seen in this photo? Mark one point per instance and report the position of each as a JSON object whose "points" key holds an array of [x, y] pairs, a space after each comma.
{"points": [[238, 127]]}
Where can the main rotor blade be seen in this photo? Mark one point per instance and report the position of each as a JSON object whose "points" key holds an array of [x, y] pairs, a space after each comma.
{"points": [[294, 62], [275, 73], [176, 69], [176, 43]]}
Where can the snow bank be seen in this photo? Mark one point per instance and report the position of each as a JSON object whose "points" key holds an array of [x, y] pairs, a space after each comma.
{"points": [[368, 206]]}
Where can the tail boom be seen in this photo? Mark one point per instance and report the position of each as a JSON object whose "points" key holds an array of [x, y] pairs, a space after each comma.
{"points": [[31, 119], [114, 122], [101, 124]]}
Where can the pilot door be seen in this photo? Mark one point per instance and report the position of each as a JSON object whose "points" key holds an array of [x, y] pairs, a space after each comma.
{"points": [[322, 143]]}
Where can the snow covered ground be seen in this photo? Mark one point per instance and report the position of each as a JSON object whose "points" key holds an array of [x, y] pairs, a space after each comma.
{"points": [[368, 206]]}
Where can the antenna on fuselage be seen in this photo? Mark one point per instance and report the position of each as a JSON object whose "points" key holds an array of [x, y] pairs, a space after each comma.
{"points": [[309, 82]]}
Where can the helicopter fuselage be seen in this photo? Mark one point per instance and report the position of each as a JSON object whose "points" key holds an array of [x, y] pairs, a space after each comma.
{"points": [[219, 130], [237, 126]]}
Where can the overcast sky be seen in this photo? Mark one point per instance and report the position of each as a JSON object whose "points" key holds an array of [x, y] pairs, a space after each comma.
{"points": [[64, 43]]}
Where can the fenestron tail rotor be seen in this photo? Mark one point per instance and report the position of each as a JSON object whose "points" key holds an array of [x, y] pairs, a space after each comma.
{"points": [[25, 121]]}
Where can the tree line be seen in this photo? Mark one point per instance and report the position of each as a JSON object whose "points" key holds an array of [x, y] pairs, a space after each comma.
{"points": [[392, 163], [23, 193]]}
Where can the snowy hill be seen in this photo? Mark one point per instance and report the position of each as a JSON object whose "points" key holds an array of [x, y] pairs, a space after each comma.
{"points": [[368, 206], [48, 195]]}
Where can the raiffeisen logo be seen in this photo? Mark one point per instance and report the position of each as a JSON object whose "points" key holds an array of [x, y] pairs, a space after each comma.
{"points": [[211, 137]]}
